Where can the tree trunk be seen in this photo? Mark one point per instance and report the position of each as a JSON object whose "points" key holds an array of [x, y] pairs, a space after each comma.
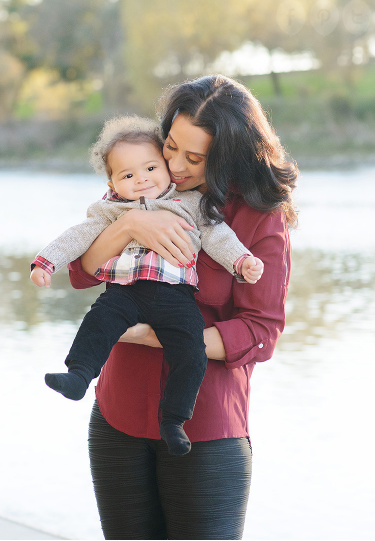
{"points": [[276, 83]]}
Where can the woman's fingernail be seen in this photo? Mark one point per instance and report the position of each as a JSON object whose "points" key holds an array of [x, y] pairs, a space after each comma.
{"points": [[192, 261], [180, 265], [189, 265], [194, 256]]}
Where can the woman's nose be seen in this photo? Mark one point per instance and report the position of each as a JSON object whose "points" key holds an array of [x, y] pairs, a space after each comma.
{"points": [[176, 164]]}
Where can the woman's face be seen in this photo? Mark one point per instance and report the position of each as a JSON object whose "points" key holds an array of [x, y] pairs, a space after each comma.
{"points": [[185, 150]]}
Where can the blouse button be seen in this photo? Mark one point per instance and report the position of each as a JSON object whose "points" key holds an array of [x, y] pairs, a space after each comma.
{"points": [[260, 345]]}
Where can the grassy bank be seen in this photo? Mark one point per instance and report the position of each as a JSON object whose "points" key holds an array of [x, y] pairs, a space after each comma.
{"points": [[320, 122], [321, 119], [325, 131]]}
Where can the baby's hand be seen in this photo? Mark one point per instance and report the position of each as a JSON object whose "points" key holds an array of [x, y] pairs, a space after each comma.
{"points": [[40, 277], [252, 269]]}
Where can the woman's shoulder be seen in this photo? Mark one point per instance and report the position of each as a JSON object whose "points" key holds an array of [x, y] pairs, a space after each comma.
{"points": [[253, 226], [240, 214]]}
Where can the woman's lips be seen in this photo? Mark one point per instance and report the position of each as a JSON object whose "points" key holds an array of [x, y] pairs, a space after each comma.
{"points": [[178, 180]]}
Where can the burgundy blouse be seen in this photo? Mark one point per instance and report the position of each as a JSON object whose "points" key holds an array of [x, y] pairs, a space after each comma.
{"points": [[250, 319]]}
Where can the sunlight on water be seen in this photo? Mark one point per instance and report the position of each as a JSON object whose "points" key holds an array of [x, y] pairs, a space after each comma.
{"points": [[311, 405]]}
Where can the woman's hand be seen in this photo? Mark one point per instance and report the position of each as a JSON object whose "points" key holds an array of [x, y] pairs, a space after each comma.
{"points": [[160, 231], [164, 233], [141, 334], [108, 244]]}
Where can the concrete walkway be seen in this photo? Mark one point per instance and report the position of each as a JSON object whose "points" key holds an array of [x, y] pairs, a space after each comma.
{"points": [[12, 530]]}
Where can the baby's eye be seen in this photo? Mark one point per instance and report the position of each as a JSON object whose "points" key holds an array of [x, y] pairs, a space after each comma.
{"points": [[151, 168], [129, 175]]}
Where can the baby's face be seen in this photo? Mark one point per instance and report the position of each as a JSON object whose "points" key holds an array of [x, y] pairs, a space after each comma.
{"points": [[137, 169]]}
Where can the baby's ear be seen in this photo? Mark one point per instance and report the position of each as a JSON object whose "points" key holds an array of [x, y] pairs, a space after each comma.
{"points": [[110, 184]]}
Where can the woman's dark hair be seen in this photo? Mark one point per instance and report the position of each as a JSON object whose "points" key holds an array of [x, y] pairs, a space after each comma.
{"points": [[245, 155]]}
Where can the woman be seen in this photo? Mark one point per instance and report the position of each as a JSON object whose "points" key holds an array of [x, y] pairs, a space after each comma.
{"points": [[218, 141]]}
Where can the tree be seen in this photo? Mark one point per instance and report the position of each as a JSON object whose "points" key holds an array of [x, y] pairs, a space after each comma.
{"points": [[77, 40], [330, 29], [168, 41], [12, 71]]}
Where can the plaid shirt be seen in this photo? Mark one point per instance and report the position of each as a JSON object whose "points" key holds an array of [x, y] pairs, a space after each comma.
{"points": [[143, 264], [41, 262], [150, 266], [139, 263]]}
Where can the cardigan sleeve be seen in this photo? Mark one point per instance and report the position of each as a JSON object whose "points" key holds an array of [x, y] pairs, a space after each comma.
{"points": [[259, 309], [222, 245], [76, 240]]}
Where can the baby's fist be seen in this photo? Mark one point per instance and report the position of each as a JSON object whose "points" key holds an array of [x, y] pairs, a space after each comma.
{"points": [[40, 277], [251, 272]]}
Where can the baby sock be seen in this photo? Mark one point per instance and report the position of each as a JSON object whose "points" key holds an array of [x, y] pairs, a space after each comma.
{"points": [[72, 385], [172, 432]]}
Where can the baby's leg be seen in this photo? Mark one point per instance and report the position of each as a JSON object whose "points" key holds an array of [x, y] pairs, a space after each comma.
{"points": [[180, 332], [110, 316]]}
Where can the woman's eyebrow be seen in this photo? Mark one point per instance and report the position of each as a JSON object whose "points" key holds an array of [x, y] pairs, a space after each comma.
{"points": [[188, 151]]}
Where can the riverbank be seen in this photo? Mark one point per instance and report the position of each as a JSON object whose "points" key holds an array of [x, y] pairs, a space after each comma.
{"points": [[317, 133], [14, 530], [67, 164]]}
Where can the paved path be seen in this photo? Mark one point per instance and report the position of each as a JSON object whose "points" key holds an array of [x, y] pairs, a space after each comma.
{"points": [[12, 530]]}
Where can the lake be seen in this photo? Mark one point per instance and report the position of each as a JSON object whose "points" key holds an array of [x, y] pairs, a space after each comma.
{"points": [[311, 405]]}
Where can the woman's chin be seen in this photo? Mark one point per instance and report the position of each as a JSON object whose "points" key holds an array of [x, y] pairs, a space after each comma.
{"points": [[202, 188], [184, 186]]}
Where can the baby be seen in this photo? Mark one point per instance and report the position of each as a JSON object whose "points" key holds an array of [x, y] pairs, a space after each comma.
{"points": [[142, 287]]}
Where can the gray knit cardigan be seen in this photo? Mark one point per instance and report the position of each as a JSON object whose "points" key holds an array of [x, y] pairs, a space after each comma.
{"points": [[217, 240]]}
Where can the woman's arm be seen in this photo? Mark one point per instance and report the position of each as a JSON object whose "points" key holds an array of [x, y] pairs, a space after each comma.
{"points": [[258, 310], [258, 315], [108, 244], [144, 334], [161, 231], [214, 344]]}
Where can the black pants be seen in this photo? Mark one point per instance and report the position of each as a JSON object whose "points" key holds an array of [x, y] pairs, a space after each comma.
{"points": [[143, 492], [177, 321]]}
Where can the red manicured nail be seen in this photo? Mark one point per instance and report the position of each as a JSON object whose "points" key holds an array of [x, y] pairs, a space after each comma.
{"points": [[189, 265], [192, 261], [194, 256], [180, 265]]}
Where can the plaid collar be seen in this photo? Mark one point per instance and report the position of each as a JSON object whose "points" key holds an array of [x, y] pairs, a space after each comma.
{"points": [[114, 196]]}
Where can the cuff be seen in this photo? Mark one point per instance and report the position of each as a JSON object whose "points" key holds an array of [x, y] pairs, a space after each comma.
{"points": [[79, 278], [237, 268], [239, 346], [44, 264]]}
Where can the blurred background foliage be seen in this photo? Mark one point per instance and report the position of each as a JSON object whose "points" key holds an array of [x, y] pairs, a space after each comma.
{"points": [[66, 66]]}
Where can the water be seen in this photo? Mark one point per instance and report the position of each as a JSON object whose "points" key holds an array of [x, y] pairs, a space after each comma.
{"points": [[311, 406]]}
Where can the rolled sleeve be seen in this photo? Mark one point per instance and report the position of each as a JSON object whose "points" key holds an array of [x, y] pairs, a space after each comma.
{"points": [[259, 309], [79, 278], [235, 334], [43, 264]]}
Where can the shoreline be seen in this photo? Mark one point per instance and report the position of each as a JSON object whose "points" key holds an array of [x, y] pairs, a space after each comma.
{"points": [[80, 165], [12, 529]]}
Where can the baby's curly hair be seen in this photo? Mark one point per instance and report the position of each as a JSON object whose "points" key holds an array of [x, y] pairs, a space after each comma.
{"points": [[128, 129]]}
